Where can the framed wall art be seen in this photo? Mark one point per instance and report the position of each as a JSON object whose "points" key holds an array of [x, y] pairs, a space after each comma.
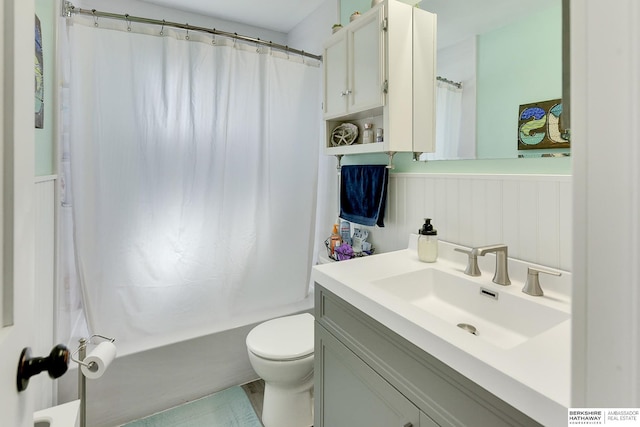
{"points": [[539, 126]]}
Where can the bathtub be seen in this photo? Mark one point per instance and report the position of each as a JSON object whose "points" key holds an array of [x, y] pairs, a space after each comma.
{"points": [[151, 378]]}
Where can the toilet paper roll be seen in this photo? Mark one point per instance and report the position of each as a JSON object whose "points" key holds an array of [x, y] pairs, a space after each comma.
{"points": [[99, 360]]}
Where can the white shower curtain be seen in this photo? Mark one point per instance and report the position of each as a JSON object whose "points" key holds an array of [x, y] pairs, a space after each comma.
{"points": [[448, 123], [190, 186]]}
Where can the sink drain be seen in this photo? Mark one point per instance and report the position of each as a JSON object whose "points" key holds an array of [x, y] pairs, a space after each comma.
{"points": [[469, 328]]}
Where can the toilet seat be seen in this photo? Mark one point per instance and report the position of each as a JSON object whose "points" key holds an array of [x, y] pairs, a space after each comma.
{"points": [[284, 338]]}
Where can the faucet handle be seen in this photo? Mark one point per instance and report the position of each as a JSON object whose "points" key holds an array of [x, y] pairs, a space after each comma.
{"points": [[472, 262], [532, 285]]}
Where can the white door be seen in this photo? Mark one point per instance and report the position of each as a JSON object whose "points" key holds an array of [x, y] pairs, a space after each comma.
{"points": [[16, 197]]}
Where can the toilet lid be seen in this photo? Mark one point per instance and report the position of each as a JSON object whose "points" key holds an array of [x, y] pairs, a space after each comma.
{"points": [[284, 338]]}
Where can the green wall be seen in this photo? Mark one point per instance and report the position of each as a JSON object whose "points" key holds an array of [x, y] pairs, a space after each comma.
{"points": [[44, 138]]}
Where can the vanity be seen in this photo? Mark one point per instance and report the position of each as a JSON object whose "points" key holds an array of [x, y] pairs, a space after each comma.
{"points": [[392, 346]]}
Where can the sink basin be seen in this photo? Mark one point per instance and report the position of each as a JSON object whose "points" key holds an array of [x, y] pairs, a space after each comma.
{"points": [[504, 320]]}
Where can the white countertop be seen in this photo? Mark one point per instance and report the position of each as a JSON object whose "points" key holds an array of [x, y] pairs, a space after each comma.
{"points": [[533, 377]]}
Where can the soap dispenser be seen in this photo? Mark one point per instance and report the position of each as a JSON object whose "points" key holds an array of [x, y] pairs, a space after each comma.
{"points": [[427, 242]]}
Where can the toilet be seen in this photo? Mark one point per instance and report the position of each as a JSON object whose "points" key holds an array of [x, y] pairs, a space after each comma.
{"points": [[281, 352]]}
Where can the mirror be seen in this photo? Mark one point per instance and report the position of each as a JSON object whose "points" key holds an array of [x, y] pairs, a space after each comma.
{"points": [[506, 54]]}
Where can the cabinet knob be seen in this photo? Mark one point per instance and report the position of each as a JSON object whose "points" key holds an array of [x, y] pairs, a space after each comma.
{"points": [[345, 92], [408, 425]]}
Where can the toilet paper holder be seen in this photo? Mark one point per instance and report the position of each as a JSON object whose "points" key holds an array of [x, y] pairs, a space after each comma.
{"points": [[91, 367], [56, 362], [82, 352]]}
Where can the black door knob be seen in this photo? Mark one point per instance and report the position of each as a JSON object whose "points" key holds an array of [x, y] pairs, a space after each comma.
{"points": [[55, 364]]}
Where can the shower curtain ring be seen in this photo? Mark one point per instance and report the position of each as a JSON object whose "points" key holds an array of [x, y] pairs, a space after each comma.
{"points": [[162, 28], [302, 56], [286, 49], [187, 36], [126, 17], [95, 18], [213, 37], [235, 39], [258, 45]]}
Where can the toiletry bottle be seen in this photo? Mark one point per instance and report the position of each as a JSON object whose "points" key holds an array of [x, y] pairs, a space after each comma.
{"points": [[367, 135], [379, 135], [334, 240], [345, 232], [427, 242]]}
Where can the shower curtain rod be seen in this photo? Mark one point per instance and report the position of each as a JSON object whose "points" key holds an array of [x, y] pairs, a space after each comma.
{"points": [[456, 84], [68, 9]]}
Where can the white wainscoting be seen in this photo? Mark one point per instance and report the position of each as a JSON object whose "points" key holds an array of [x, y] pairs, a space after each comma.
{"points": [[44, 286], [530, 213]]}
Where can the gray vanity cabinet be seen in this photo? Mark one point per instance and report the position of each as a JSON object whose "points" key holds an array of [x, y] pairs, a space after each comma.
{"points": [[355, 395], [366, 375]]}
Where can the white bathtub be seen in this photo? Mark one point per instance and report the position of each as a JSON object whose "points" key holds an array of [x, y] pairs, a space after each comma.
{"points": [[140, 383]]}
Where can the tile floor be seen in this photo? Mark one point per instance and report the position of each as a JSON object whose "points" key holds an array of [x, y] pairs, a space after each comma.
{"points": [[235, 406]]}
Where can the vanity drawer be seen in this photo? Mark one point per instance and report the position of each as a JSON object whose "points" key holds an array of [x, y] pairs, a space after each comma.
{"points": [[446, 396]]}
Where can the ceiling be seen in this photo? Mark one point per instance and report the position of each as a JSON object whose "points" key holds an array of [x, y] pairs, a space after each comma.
{"points": [[457, 19]]}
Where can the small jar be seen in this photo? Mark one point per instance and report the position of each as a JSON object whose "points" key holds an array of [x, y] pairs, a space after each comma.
{"points": [[379, 137], [367, 135]]}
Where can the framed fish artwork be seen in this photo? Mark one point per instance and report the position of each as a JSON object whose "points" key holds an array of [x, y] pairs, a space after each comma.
{"points": [[539, 126]]}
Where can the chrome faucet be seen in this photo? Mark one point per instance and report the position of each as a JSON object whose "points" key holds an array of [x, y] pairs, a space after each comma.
{"points": [[501, 277]]}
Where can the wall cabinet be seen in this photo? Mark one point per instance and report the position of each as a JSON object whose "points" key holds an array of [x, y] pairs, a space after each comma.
{"points": [[367, 375], [380, 69]]}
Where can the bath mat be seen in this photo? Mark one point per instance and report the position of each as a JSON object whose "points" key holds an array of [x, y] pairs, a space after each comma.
{"points": [[227, 408]]}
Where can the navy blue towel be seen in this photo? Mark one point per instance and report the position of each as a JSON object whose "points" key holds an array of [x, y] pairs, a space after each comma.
{"points": [[363, 193]]}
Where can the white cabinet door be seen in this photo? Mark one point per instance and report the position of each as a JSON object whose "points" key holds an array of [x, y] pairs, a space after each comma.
{"points": [[335, 75], [366, 65], [354, 67], [16, 200]]}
